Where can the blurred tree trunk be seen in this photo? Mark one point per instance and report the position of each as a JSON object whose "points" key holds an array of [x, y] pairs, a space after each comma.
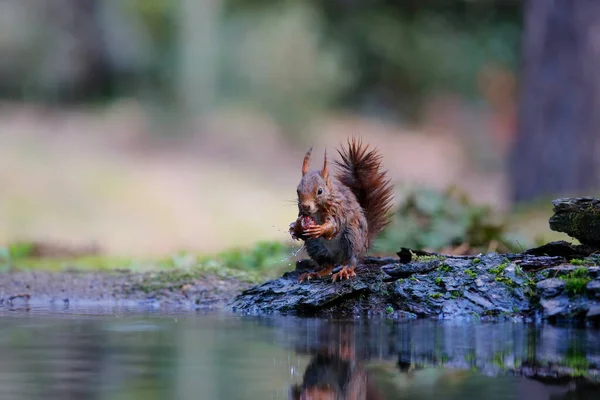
{"points": [[199, 23], [74, 65], [557, 145]]}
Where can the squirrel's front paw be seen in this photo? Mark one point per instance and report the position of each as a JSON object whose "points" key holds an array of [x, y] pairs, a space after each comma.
{"points": [[313, 231]]}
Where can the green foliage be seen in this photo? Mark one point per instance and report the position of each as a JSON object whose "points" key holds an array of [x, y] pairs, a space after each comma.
{"points": [[157, 16], [435, 295], [260, 261], [275, 59], [389, 310], [434, 220], [576, 281], [262, 256], [20, 250], [432, 53], [14, 251], [295, 58]]}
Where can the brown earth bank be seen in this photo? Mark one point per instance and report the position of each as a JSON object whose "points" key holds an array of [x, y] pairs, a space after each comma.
{"points": [[23, 289]]}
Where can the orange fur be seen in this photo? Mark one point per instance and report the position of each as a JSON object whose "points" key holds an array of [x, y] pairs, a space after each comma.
{"points": [[360, 170]]}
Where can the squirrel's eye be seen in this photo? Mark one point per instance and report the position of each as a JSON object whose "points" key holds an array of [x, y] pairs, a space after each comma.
{"points": [[320, 191]]}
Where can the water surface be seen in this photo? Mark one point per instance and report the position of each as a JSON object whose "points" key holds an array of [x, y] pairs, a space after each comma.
{"points": [[127, 354]]}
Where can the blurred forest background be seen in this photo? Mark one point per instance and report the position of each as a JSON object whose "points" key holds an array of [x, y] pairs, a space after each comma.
{"points": [[150, 126]]}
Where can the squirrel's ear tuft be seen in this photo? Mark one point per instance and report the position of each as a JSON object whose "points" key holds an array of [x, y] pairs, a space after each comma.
{"points": [[325, 171], [306, 162]]}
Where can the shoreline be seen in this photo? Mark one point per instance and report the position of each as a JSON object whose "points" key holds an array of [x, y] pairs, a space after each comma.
{"points": [[177, 289]]}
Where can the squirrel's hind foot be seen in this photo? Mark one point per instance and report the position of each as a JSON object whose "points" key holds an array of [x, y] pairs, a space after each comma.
{"points": [[345, 273], [314, 275]]}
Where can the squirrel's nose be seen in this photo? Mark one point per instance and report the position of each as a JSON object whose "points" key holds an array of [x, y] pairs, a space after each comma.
{"points": [[308, 208]]}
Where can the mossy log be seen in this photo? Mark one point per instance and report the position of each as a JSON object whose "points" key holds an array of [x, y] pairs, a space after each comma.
{"points": [[578, 218], [428, 285]]}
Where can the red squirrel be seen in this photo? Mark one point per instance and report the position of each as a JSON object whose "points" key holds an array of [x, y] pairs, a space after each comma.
{"points": [[339, 216]]}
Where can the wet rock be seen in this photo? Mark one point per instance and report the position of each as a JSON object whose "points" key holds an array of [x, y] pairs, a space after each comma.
{"points": [[444, 287], [529, 263], [490, 286], [551, 287], [593, 288], [594, 312], [578, 218], [397, 270], [558, 306], [560, 248], [559, 356]]}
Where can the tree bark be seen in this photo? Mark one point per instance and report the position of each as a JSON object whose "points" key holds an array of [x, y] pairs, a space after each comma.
{"points": [[557, 145]]}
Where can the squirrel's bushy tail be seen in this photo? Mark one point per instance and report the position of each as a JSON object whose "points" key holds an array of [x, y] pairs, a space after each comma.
{"points": [[360, 170]]}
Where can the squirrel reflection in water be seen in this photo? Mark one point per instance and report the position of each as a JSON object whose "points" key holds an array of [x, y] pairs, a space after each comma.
{"points": [[335, 373]]}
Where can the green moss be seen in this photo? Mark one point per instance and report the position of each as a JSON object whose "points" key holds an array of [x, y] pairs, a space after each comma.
{"points": [[576, 281], [476, 260], [506, 281], [519, 271], [455, 294], [428, 258], [445, 268], [470, 273], [438, 281], [499, 269], [389, 310], [435, 295], [584, 261], [499, 272], [412, 278]]}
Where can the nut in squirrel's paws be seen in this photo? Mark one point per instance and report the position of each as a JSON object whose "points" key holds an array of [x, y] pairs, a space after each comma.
{"points": [[345, 273], [298, 229]]}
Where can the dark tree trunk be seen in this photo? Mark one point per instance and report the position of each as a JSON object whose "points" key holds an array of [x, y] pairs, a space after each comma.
{"points": [[557, 146]]}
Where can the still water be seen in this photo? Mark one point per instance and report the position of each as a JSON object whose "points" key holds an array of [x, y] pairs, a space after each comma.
{"points": [[120, 354]]}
